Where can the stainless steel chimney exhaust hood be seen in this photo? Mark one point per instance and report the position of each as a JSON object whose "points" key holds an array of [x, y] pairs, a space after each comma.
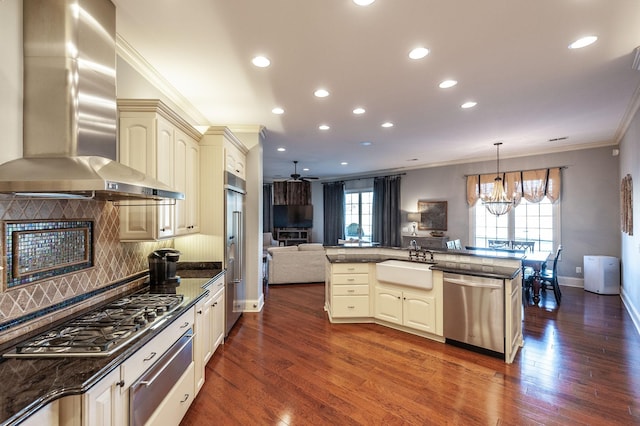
{"points": [[70, 111]]}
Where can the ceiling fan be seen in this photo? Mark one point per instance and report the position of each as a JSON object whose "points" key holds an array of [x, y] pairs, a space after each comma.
{"points": [[296, 177]]}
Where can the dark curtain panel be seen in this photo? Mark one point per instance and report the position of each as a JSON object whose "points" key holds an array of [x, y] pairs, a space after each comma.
{"points": [[386, 211], [267, 207], [333, 195]]}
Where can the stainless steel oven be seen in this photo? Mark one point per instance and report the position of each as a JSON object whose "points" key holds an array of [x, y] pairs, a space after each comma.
{"points": [[474, 311], [146, 394]]}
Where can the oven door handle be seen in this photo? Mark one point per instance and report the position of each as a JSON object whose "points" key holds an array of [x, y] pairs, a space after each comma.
{"points": [[166, 364]]}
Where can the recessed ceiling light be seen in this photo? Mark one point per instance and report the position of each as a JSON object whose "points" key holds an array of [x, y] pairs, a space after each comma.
{"points": [[321, 93], [387, 124], [344, 163], [447, 84], [277, 110], [365, 143], [359, 110], [583, 42], [324, 127], [261, 61], [281, 149], [419, 53], [363, 2], [469, 104]]}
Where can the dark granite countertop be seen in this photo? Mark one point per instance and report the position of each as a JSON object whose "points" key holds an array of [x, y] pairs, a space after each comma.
{"points": [[477, 270], [36, 382], [489, 271]]}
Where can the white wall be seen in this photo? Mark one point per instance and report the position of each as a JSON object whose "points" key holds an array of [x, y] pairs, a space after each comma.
{"points": [[630, 244]]}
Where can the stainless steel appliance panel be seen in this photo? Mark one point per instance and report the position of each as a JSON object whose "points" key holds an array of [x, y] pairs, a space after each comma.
{"points": [[234, 257], [474, 311], [149, 390]]}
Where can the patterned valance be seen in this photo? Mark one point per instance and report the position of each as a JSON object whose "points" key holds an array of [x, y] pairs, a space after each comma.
{"points": [[532, 185]]}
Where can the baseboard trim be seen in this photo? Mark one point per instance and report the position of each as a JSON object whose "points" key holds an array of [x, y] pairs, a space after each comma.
{"points": [[633, 312], [254, 305], [571, 281]]}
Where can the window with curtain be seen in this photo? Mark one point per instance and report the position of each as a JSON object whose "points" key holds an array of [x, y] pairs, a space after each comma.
{"points": [[358, 214], [535, 217]]}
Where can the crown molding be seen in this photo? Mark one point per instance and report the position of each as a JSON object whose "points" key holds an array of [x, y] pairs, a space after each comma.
{"points": [[142, 66]]}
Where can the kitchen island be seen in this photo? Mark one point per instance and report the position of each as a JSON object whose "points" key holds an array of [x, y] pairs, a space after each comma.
{"points": [[43, 390], [384, 285]]}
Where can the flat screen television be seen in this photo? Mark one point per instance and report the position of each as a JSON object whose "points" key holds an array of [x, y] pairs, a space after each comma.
{"points": [[294, 216]]}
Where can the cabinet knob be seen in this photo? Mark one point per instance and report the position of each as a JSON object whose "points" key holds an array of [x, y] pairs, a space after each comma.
{"points": [[200, 311], [120, 383], [186, 396]]}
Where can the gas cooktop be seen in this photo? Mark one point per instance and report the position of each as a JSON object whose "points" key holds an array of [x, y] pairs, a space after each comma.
{"points": [[103, 331]]}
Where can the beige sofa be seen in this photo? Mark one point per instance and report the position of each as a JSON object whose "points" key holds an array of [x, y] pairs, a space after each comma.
{"points": [[304, 263]]}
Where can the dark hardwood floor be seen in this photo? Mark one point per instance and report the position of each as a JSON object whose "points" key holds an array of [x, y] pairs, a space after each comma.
{"points": [[288, 365]]}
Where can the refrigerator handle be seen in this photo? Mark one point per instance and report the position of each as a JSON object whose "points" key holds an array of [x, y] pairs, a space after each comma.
{"points": [[238, 230]]}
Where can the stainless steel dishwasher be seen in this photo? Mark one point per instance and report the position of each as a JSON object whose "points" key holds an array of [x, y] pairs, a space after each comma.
{"points": [[474, 311]]}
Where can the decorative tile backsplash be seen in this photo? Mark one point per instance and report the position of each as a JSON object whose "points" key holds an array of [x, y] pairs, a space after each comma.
{"points": [[44, 249], [112, 260]]}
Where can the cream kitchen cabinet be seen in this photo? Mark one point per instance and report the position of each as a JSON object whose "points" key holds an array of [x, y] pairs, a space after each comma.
{"points": [[104, 404], [157, 142], [414, 309], [513, 318], [209, 328], [187, 180], [348, 290], [217, 315], [215, 144], [202, 339], [235, 161]]}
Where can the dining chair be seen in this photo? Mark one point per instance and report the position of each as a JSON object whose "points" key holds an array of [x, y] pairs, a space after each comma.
{"points": [[549, 279], [523, 245], [499, 244]]}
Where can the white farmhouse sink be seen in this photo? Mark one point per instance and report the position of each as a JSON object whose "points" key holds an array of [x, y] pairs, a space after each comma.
{"points": [[410, 274]]}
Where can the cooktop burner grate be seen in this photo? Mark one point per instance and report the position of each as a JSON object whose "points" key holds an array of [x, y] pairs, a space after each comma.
{"points": [[102, 331]]}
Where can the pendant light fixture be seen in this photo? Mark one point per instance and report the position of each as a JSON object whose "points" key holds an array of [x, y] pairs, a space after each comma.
{"points": [[497, 203]]}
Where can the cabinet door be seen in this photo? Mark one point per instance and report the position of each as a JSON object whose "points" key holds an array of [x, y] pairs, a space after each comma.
{"points": [[137, 150], [165, 172], [180, 182], [217, 320], [388, 305], [419, 311], [235, 161], [102, 404], [193, 187], [187, 181]]}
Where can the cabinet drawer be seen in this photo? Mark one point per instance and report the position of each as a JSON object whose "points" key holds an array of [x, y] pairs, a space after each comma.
{"points": [[147, 355], [340, 279], [350, 306], [175, 405], [350, 268], [351, 290]]}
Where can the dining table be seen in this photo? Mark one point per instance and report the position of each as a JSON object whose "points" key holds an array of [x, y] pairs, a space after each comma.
{"points": [[537, 261]]}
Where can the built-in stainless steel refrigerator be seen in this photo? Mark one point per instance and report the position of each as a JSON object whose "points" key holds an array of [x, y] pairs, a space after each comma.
{"points": [[234, 249]]}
